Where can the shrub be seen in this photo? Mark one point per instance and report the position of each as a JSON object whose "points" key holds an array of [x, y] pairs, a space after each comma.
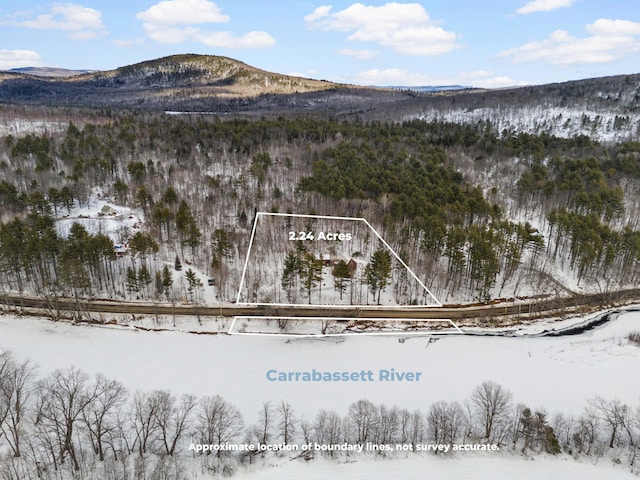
{"points": [[634, 337]]}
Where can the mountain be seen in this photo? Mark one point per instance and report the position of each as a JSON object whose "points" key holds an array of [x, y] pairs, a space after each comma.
{"points": [[606, 109], [171, 82], [430, 88], [220, 75]]}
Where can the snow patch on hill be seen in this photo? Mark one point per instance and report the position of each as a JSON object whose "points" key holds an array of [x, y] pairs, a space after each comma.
{"points": [[562, 122], [22, 126]]}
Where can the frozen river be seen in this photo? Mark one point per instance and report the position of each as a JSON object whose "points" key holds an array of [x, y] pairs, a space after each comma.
{"points": [[558, 374]]}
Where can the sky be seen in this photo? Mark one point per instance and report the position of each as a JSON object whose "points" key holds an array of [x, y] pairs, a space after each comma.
{"points": [[480, 43]]}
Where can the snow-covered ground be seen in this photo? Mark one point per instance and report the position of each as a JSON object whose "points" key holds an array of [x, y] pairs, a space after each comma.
{"points": [[120, 226], [443, 468], [9, 125]]}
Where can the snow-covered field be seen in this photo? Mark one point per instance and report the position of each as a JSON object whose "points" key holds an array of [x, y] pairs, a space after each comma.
{"points": [[443, 468]]}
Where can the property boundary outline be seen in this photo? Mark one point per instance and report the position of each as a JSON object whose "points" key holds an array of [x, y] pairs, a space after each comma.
{"points": [[326, 217], [316, 335]]}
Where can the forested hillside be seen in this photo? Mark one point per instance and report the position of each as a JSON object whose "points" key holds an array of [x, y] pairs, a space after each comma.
{"points": [[606, 109], [182, 82], [476, 212]]}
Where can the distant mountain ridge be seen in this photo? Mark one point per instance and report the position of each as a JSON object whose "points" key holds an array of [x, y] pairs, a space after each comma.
{"points": [[152, 84], [49, 71], [606, 108], [430, 88]]}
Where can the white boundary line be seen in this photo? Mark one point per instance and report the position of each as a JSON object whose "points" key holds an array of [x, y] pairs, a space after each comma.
{"points": [[326, 217], [438, 304], [302, 335], [246, 260], [299, 215]]}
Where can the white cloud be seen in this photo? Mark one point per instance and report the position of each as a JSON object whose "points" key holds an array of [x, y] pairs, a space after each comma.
{"points": [[318, 13], [391, 76], [20, 13], [19, 58], [176, 21], [498, 82], [78, 21], [357, 54], [401, 77], [404, 27], [610, 40], [183, 12], [544, 6], [604, 26]]}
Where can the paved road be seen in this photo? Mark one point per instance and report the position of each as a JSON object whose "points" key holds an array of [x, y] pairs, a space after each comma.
{"points": [[58, 305]]}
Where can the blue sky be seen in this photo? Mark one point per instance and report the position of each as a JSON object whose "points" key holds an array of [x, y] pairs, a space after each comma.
{"points": [[431, 42]]}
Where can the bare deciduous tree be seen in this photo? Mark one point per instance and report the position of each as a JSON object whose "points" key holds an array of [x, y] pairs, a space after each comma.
{"points": [[387, 424], [328, 428], [266, 420], [363, 416], [63, 396], [23, 386], [101, 416], [287, 423], [173, 419], [144, 419], [616, 417], [445, 421], [491, 403], [218, 421], [417, 428], [587, 431]]}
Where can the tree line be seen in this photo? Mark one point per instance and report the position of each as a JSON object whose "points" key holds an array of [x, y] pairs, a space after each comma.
{"points": [[66, 424]]}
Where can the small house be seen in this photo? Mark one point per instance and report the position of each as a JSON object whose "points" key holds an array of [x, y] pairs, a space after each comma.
{"points": [[352, 267], [324, 259], [121, 249], [108, 210]]}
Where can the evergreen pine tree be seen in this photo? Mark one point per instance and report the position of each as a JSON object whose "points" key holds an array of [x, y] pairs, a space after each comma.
{"points": [[340, 274], [378, 272]]}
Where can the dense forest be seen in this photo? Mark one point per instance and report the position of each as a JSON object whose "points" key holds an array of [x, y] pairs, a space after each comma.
{"points": [[66, 424], [476, 212]]}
